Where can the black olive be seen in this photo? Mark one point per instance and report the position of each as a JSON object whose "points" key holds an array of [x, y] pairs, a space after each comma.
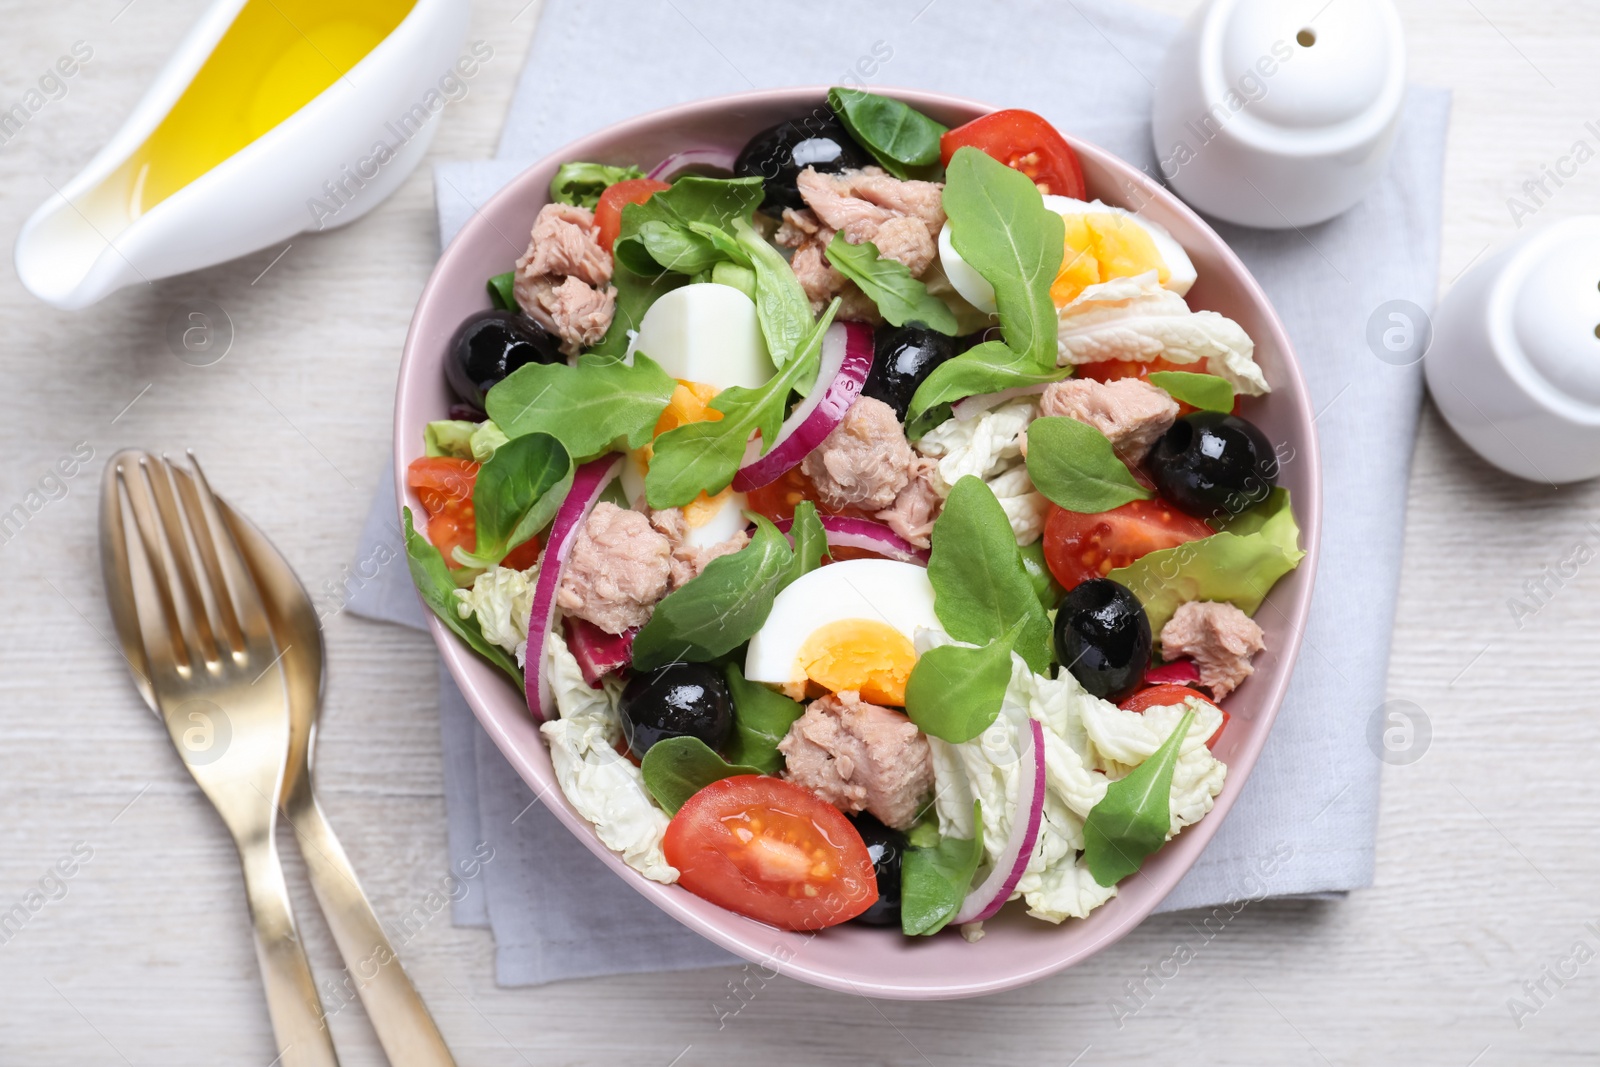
{"points": [[1103, 638], [780, 153], [1211, 463], [490, 345], [902, 358], [678, 700], [887, 847]]}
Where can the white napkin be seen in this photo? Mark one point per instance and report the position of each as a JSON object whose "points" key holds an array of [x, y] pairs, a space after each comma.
{"points": [[1309, 812]]}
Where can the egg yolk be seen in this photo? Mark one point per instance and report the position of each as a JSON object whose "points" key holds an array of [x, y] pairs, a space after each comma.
{"points": [[870, 657], [690, 402], [1102, 246]]}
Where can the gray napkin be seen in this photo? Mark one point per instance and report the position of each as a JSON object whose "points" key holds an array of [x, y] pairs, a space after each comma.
{"points": [[1305, 824]]}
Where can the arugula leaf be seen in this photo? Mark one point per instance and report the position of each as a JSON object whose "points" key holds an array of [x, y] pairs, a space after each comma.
{"points": [[516, 495], [986, 368], [1204, 391], [582, 183], [782, 307], [1045, 586], [810, 541], [589, 407], [436, 587], [679, 767], [1134, 818], [761, 718], [955, 691], [1074, 465], [716, 612], [704, 456], [712, 202], [980, 587], [635, 294], [502, 291], [999, 224], [889, 284], [1239, 565], [934, 881], [898, 136]]}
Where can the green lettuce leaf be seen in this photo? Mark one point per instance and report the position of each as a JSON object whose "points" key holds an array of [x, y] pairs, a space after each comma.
{"points": [[1075, 467], [437, 587], [902, 139], [1238, 565], [502, 291], [888, 283], [581, 184], [448, 437], [590, 408], [934, 881], [955, 691], [1204, 391], [667, 220], [761, 719], [679, 767], [1134, 817], [516, 495]]}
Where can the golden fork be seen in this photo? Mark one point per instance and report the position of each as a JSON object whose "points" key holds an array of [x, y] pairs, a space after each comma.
{"points": [[398, 1015], [196, 634]]}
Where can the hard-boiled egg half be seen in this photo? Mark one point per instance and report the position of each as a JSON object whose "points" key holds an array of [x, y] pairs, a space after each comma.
{"points": [[1102, 242], [706, 336], [846, 626]]}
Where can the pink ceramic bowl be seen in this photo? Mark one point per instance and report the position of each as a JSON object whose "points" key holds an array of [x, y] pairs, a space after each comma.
{"points": [[1015, 950]]}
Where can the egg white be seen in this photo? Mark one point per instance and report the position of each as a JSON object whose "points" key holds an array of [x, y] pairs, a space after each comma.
{"points": [[881, 590], [966, 280]]}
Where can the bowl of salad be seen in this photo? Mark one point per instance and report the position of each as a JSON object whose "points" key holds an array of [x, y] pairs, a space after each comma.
{"points": [[878, 525]]}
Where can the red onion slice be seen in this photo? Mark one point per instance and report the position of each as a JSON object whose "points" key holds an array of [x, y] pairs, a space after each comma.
{"points": [[847, 531], [846, 361], [985, 900], [588, 483], [1178, 672], [598, 653], [974, 406], [707, 158]]}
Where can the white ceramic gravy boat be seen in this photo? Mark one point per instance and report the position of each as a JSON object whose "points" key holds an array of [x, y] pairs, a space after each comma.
{"points": [[326, 164]]}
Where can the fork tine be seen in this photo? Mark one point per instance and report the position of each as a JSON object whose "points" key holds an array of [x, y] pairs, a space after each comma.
{"points": [[177, 542], [116, 566], [251, 617], [135, 489], [206, 533]]}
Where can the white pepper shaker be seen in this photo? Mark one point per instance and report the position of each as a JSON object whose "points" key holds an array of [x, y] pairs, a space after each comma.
{"points": [[1280, 113]]}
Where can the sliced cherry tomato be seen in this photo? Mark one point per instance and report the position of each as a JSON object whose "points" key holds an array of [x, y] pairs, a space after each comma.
{"points": [[777, 501], [770, 850], [1111, 369], [1022, 141], [1078, 547], [1162, 696], [444, 485], [608, 212], [523, 556]]}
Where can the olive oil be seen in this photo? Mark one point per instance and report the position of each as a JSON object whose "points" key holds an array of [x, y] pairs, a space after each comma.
{"points": [[273, 60]]}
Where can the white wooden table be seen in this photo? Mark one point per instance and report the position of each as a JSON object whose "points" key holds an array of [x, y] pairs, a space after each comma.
{"points": [[142, 956]]}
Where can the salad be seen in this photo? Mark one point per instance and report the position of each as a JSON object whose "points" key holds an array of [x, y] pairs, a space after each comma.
{"points": [[866, 516]]}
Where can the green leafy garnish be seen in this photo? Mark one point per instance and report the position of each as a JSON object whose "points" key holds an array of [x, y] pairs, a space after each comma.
{"points": [[955, 692], [667, 221], [889, 284], [980, 588], [716, 612], [782, 307], [448, 437], [589, 408], [934, 881], [516, 495], [1134, 818], [1239, 565], [635, 294], [437, 588], [679, 767], [704, 456], [502, 291], [1045, 586], [999, 224], [581, 184], [761, 718], [899, 137], [735, 277], [1204, 391], [810, 540], [1075, 467]]}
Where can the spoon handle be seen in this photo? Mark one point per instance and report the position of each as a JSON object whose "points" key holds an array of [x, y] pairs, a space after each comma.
{"points": [[298, 1022], [404, 1028]]}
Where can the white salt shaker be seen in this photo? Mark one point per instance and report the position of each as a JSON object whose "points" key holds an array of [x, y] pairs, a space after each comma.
{"points": [[1280, 113], [1515, 361]]}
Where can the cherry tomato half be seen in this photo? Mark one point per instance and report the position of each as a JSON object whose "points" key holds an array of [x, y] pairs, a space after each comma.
{"points": [[1162, 696], [608, 212], [1022, 141], [770, 850], [1078, 547], [444, 485]]}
